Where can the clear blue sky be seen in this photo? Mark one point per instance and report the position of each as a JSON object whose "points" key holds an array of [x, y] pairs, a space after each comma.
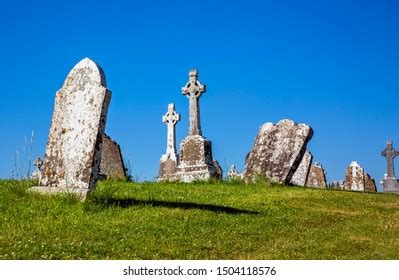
{"points": [[331, 64]]}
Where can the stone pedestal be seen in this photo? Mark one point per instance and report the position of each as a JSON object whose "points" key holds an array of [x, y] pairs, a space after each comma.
{"points": [[195, 160], [390, 185]]}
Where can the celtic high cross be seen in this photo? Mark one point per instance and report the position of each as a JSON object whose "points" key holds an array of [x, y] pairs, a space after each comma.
{"points": [[390, 153], [193, 90], [170, 119]]}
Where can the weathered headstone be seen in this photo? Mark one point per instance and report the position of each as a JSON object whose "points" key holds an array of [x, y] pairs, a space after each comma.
{"points": [[111, 165], [195, 154], [356, 179], [390, 183], [369, 183], [278, 151], [73, 152], [37, 174], [169, 160], [316, 177], [301, 173]]}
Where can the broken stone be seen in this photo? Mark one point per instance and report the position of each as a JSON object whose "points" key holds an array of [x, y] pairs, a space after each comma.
{"points": [[316, 177], [301, 174], [111, 165], [278, 151], [73, 152], [390, 183], [356, 179]]}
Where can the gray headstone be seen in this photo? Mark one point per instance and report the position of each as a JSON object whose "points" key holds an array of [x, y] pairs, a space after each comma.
{"points": [[111, 164], [278, 151], [301, 173], [72, 159]]}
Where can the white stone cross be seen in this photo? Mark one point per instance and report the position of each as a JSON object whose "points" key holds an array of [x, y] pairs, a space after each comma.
{"points": [[193, 90], [170, 119]]}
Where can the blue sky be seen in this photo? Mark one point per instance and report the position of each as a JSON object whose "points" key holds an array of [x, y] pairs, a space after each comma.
{"points": [[330, 64]]}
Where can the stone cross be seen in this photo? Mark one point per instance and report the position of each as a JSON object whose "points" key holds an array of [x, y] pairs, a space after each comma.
{"points": [[193, 90], [390, 153], [170, 119], [38, 164]]}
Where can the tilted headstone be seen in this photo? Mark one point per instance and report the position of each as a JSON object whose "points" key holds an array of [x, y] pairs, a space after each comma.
{"points": [[111, 164], [195, 154], [278, 151], [301, 173], [169, 160], [390, 183], [73, 152], [316, 177], [369, 183]]}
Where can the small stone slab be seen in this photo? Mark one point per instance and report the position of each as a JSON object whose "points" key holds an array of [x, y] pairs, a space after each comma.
{"points": [[111, 165], [278, 151], [316, 177]]}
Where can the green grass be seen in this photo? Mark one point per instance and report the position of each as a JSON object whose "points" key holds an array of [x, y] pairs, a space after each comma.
{"points": [[198, 221]]}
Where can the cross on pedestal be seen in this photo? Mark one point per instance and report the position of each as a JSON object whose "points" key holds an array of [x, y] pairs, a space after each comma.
{"points": [[170, 119], [390, 153], [193, 90]]}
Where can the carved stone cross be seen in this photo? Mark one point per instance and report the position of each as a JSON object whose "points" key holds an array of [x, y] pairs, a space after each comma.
{"points": [[193, 90], [390, 153], [171, 118]]}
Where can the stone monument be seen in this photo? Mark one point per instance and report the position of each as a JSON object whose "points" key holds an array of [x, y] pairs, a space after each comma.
{"points": [[111, 164], [278, 151], [169, 160], [356, 179], [73, 152], [390, 183], [316, 177], [195, 161], [301, 174]]}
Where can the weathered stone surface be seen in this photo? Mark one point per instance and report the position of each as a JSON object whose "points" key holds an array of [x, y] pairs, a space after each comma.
{"points": [[111, 165], [72, 159], [301, 174], [169, 160], [356, 179], [219, 170], [369, 183], [278, 151], [390, 183], [195, 160], [316, 177]]}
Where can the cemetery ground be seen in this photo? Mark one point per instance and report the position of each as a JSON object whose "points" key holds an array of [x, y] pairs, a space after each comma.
{"points": [[216, 220]]}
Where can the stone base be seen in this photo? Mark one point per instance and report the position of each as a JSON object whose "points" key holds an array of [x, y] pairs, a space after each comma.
{"points": [[195, 161], [390, 185], [81, 193], [167, 167]]}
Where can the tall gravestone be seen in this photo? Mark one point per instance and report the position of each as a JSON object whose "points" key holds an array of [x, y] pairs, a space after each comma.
{"points": [[73, 152], [301, 174], [390, 183], [195, 154], [169, 160], [278, 151]]}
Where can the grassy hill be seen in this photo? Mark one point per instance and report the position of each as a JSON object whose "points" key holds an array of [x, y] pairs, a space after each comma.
{"points": [[198, 221]]}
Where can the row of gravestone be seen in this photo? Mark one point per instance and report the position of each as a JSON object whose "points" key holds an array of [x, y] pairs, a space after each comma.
{"points": [[78, 152]]}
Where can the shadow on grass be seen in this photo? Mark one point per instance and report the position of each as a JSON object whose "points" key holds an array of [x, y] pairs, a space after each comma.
{"points": [[124, 203]]}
